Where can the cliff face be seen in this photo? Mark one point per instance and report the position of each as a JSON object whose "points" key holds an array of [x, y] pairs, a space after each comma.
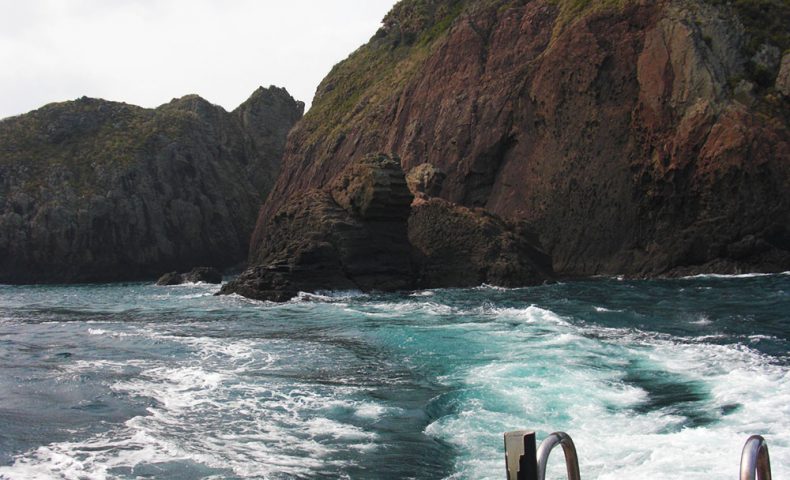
{"points": [[92, 190], [636, 137], [365, 231], [350, 235]]}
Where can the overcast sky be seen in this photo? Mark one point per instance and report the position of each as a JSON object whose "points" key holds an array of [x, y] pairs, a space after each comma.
{"points": [[147, 52]]}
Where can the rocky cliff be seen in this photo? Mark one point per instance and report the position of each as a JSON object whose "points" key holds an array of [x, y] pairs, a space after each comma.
{"points": [[635, 137], [364, 230], [352, 234], [92, 190]]}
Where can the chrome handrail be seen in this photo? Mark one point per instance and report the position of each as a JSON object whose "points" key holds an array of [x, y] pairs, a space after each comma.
{"points": [[523, 464], [571, 458], [755, 462]]}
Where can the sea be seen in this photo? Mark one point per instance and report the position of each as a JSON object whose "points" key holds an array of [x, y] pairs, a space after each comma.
{"points": [[653, 379]]}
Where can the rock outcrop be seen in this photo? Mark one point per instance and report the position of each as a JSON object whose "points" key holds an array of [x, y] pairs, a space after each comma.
{"points": [[92, 190], [783, 78], [456, 246], [425, 180], [349, 235], [611, 127], [373, 228], [196, 275]]}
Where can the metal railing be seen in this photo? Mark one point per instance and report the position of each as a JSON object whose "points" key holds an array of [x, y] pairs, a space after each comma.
{"points": [[524, 462], [755, 462], [571, 458]]}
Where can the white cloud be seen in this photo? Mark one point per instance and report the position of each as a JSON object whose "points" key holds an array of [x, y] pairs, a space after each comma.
{"points": [[147, 52]]}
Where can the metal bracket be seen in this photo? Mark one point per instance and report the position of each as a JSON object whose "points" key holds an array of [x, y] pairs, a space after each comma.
{"points": [[520, 460]]}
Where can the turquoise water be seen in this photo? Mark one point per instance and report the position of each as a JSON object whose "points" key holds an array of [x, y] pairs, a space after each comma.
{"points": [[653, 379]]}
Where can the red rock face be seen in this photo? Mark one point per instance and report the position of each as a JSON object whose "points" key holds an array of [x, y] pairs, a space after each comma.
{"points": [[614, 136]]}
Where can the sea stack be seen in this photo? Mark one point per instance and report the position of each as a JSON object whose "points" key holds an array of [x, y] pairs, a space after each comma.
{"points": [[352, 234]]}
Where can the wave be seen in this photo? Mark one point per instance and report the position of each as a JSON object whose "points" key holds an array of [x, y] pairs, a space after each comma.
{"points": [[605, 387], [329, 296], [324, 385], [731, 276], [211, 408]]}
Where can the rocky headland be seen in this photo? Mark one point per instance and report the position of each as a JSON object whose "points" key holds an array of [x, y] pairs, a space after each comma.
{"points": [[626, 137], [531, 139], [92, 190], [371, 228]]}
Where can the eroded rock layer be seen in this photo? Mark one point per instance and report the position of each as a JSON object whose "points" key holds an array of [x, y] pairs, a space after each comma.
{"points": [[92, 190], [639, 138], [374, 229], [456, 246], [350, 235]]}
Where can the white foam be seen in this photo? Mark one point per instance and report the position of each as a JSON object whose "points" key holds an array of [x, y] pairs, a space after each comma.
{"points": [[486, 286], [702, 320], [423, 293], [759, 338], [328, 296], [735, 275], [574, 380], [213, 409], [606, 310], [402, 309], [532, 314]]}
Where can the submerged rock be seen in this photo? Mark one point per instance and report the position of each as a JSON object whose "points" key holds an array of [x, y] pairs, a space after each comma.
{"points": [[204, 275], [196, 275], [170, 278]]}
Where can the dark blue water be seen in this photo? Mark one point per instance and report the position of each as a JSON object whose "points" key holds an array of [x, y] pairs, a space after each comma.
{"points": [[653, 379]]}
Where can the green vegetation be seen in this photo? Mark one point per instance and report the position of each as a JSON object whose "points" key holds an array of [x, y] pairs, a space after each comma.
{"points": [[378, 70], [70, 142], [411, 20], [442, 25], [766, 21], [571, 10]]}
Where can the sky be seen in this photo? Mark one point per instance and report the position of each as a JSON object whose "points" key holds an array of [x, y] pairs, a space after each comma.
{"points": [[147, 52]]}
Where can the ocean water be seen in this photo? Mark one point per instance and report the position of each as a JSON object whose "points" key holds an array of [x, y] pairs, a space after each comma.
{"points": [[660, 379]]}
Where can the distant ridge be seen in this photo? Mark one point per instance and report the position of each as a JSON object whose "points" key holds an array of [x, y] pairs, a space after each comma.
{"points": [[92, 190]]}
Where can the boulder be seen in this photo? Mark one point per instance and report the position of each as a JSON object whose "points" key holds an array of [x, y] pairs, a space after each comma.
{"points": [[783, 78], [169, 279], [363, 232], [203, 275], [425, 180]]}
